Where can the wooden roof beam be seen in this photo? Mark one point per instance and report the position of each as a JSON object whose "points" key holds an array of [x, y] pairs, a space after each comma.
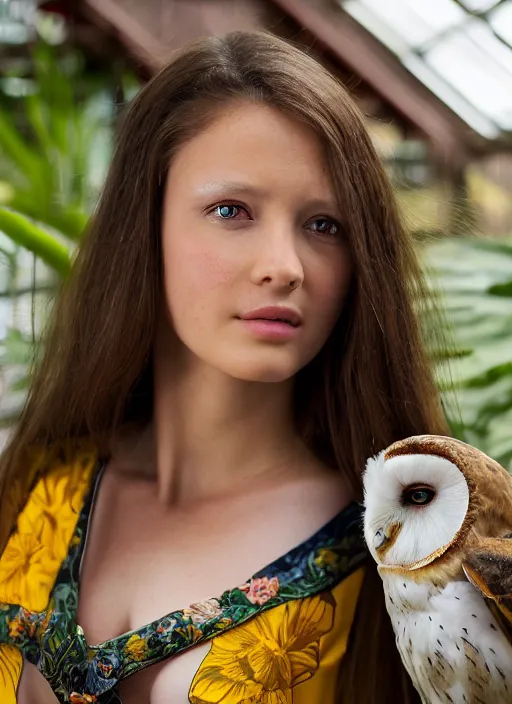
{"points": [[131, 32], [152, 29], [354, 47]]}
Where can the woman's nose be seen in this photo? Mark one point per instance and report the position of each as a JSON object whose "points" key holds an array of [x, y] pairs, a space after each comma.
{"points": [[278, 263]]}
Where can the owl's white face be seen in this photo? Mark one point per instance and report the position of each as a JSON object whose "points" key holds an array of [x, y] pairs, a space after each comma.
{"points": [[415, 506]]}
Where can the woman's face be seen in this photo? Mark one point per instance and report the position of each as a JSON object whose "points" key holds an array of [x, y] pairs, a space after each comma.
{"points": [[250, 223]]}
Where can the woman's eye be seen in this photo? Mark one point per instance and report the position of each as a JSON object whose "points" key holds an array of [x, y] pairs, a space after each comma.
{"points": [[325, 226], [418, 496], [229, 212]]}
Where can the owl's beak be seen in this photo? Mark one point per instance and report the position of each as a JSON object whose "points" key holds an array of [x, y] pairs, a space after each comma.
{"points": [[385, 537]]}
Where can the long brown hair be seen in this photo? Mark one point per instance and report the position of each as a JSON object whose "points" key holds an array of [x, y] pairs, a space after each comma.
{"points": [[370, 385]]}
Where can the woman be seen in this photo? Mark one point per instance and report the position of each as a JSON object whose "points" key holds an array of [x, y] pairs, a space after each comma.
{"points": [[236, 338]]}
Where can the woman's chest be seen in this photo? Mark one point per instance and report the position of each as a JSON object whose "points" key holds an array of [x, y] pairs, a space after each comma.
{"points": [[168, 682], [141, 565]]}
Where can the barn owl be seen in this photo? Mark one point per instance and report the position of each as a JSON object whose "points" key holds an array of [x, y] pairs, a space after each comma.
{"points": [[438, 522]]}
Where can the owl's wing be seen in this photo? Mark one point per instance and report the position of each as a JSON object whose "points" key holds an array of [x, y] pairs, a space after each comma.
{"points": [[489, 568]]}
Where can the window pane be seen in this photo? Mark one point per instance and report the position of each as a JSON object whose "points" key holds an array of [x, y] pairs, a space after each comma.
{"points": [[439, 14], [480, 33], [482, 81], [471, 115], [501, 21], [479, 5], [417, 20], [454, 53], [397, 43]]}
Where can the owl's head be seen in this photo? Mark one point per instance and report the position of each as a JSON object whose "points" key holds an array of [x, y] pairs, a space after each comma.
{"points": [[418, 494]]}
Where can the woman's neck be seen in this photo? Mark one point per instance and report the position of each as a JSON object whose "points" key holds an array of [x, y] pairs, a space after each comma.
{"points": [[212, 435]]}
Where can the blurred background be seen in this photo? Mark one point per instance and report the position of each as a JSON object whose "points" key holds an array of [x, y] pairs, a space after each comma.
{"points": [[433, 78]]}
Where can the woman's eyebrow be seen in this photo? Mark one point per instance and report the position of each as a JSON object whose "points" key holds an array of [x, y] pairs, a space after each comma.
{"points": [[219, 188]]}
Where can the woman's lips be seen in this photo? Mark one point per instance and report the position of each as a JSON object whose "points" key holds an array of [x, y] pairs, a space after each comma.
{"points": [[271, 329], [279, 323], [281, 313]]}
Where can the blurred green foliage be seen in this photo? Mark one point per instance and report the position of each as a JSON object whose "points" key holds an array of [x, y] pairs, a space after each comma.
{"points": [[56, 134], [475, 279], [45, 143]]}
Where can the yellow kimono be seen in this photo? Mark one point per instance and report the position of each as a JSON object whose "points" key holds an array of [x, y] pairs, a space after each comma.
{"points": [[278, 637]]}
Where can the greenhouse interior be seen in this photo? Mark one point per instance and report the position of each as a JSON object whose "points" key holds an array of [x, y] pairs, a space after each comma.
{"points": [[431, 78]]}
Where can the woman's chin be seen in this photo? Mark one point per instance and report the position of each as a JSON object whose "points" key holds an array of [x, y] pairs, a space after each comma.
{"points": [[267, 378], [263, 371]]}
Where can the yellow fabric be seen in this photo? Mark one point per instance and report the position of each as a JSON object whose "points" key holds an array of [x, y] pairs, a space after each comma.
{"points": [[33, 555], [290, 653], [36, 550], [11, 664]]}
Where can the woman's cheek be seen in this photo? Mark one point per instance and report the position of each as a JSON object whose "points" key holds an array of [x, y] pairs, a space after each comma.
{"points": [[330, 293], [194, 275]]}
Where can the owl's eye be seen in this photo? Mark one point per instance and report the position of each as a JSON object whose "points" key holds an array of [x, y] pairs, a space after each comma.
{"points": [[418, 495]]}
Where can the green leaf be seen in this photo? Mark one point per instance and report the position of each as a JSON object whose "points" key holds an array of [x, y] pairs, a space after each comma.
{"points": [[25, 233], [442, 355], [15, 147], [35, 112], [68, 220], [490, 376], [504, 289]]}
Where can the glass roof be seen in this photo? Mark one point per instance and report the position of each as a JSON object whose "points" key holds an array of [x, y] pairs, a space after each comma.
{"points": [[460, 49]]}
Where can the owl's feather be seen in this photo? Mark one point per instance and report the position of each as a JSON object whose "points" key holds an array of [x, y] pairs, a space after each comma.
{"points": [[489, 568], [449, 643], [491, 562]]}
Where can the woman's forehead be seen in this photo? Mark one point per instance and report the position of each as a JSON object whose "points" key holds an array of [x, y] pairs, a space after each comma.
{"points": [[252, 150]]}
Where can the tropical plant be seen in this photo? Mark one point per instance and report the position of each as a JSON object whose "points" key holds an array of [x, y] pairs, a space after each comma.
{"points": [[475, 278], [55, 143], [49, 154]]}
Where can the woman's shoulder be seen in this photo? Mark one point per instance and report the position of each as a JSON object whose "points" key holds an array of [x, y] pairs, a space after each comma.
{"points": [[45, 529]]}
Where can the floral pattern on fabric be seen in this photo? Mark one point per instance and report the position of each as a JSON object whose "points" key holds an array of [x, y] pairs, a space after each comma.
{"points": [[260, 590], [263, 660], [276, 657], [36, 550], [38, 616]]}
